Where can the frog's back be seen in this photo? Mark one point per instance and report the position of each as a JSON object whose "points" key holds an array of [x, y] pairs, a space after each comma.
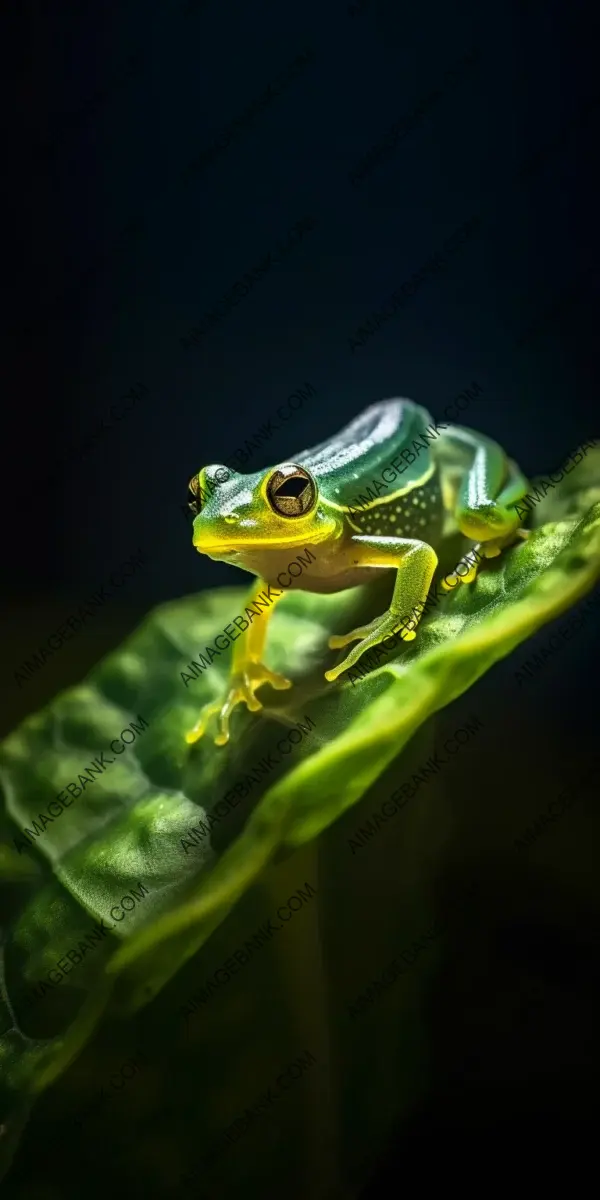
{"points": [[365, 447]]}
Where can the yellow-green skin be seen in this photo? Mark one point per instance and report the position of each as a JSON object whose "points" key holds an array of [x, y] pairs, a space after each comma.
{"points": [[458, 480]]}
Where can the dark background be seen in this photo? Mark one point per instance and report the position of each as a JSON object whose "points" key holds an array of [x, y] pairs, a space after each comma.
{"points": [[117, 255]]}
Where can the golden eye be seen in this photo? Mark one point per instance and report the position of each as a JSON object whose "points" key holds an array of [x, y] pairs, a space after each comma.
{"points": [[194, 495], [291, 491]]}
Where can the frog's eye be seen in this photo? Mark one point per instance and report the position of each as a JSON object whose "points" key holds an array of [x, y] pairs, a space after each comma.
{"points": [[291, 491], [194, 495]]}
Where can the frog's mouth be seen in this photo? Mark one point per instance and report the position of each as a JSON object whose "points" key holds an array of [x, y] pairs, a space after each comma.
{"points": [[218, 553]]}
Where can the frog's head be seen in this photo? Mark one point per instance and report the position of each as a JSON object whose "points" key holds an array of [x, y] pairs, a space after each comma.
{"points": [[237, 515]]}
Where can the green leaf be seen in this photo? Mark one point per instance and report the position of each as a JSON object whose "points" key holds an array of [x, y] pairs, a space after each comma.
{"points": [[129, 825]]}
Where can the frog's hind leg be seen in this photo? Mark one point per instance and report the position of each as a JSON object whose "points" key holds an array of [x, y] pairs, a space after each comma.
{"points": [[486, 511]]}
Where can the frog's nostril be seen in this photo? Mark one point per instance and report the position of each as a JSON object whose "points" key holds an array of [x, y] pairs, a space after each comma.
{"points": [[232, 518]]}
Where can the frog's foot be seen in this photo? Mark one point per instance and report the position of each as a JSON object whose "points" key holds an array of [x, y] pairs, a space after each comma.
{"points": [[369, 635], [242, 687], [466, 570], [472, 559]]}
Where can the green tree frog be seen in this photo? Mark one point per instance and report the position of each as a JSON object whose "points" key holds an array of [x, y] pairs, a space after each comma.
{"points": [[379, 495]]}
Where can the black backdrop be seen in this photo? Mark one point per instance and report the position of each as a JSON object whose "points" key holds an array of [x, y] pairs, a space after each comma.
{"points": [[158, 153]]}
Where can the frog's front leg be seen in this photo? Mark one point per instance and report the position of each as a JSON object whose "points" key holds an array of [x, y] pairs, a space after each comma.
{"points": [[247, 674], [416, 563]]}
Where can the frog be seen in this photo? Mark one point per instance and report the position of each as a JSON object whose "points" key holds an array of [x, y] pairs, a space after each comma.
{"points": [[383, 494]]}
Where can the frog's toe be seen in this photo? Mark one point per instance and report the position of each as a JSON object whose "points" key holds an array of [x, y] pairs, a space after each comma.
{"points": [[224, 711], [336, 671], [471, 561], [471, 574], [482, 550], [450, 581], [241, 693], [350, 658], [279, 682], [242, 689], [199, 729], [371, 635], [337, 641]]}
